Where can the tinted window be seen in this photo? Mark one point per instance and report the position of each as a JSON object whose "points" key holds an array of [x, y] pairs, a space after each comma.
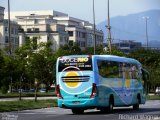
{"points": [[108, 69], [114, 69]]}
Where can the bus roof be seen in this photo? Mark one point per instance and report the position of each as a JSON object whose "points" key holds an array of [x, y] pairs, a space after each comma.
{"points": [[117, 58]]}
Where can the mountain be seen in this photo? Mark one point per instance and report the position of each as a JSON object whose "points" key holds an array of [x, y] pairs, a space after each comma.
{"points": [[133, 27]]}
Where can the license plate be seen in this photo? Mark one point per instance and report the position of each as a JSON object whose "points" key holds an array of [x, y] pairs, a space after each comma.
{"points": [[76, 102]]}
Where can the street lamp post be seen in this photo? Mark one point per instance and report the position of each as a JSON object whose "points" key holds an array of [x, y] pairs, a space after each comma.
{"points": [[9, 37], [146, 26], [94, 29], [9, 29], [109, 31]]}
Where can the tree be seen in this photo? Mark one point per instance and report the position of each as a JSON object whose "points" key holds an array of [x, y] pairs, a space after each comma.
{"points": [[22, 56], [1, 65], [151, 61], [100, 50], [36, 64], [89, 50], [10, 72], [68, 49], [115, 51], [39, 63]]}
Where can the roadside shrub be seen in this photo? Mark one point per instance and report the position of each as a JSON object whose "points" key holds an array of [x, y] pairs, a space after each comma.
{"points": [[4, 90]]}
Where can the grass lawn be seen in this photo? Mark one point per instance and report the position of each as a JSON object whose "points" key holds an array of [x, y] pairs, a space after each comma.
{"points": [[153, 97], [26, 104], [9, 95]]}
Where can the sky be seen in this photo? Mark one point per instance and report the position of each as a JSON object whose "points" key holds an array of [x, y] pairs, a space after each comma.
{"points": [[82, 9]]}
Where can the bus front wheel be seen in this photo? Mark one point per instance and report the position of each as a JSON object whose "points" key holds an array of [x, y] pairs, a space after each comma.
{"points": [[77, 111], [136, 106]]}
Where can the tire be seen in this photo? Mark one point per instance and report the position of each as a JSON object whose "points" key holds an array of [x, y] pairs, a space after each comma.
{"points": [[77, 111], [108, 109], [136, 106], [104, 110]]}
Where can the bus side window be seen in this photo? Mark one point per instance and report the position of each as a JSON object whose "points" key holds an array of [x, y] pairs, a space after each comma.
{"points": [[108, 69], [112, 69], [123, 70], [120, 70], [128, 71], [101, 67], [135, 72]]}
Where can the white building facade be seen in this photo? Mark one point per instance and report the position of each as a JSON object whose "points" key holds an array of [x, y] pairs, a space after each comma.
{"points": [[4, 33], [57, 27], [41, 28], [2, 13], [80, 31]]}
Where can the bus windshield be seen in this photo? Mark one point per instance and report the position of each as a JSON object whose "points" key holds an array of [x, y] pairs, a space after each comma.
{"points": [[75, 64]]}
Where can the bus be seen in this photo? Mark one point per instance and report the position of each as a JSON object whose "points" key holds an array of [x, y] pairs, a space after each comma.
{"points": [[99, 81]]}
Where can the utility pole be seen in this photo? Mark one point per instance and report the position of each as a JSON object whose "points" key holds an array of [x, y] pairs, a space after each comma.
{"points": [[9, 30], [109, 32], [146, 24], [94, 30], [9, 38]]}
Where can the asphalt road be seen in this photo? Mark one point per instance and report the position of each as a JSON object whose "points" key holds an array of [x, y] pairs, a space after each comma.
{"points": [[149, 111]]}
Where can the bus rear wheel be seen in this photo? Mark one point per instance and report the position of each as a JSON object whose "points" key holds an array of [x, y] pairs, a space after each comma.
{"points": [[109, 109], [77, 111]]}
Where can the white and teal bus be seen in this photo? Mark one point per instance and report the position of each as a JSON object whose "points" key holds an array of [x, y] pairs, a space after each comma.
{"points": [[99, 81]]}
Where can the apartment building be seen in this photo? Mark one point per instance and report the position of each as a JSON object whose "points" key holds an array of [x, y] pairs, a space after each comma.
{"points": [[80, 31], [41, 28], [4, 33], [56, 26], [1, 13]]}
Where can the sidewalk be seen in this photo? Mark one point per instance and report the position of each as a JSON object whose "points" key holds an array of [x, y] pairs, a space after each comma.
{"points": [[27, 98]]}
